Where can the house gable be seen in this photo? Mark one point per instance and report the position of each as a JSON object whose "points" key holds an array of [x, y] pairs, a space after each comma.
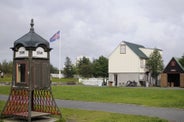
{"points": [[174, 66], [126, 60]]}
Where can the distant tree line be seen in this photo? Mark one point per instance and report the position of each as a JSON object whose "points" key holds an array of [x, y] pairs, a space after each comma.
{"points": [[83, 68], [86, 68], [181, 60], [7, 67]]}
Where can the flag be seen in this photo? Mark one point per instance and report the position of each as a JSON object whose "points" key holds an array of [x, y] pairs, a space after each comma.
{"points": [[55, 37]]}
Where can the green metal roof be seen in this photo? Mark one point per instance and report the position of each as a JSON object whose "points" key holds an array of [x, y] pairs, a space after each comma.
{"points": [[136, 50]]}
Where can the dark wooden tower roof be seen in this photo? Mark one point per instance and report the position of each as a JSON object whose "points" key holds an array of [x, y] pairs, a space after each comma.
{"points": [[31, 39]]}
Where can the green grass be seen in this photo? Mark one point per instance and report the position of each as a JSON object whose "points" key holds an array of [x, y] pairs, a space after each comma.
{"points": [[6, 78], [64, 80], [76, 115], [159, 97], [5, 90], [97, 116]]}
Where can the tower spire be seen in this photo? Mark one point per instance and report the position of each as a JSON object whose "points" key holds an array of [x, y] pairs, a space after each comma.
{"points": [[32, 24]]}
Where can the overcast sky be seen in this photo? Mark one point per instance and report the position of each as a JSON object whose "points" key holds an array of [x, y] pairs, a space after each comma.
{"points": [[94, 27]]}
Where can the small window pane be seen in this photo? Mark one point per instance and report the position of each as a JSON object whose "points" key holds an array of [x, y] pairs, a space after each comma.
{"points": [[142, 63], [122, 49]]}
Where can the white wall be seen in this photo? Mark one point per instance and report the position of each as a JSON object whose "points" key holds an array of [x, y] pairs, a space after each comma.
{"points": [[128, 62], [146, 51]]}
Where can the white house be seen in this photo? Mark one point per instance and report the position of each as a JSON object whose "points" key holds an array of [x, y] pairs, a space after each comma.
{"points": [[128, 63]]}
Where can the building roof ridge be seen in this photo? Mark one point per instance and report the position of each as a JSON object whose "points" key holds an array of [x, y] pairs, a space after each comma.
{"points": [[135, 48]]}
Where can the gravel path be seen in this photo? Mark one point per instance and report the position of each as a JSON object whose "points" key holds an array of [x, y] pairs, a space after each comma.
{"points": [[171, 114]]}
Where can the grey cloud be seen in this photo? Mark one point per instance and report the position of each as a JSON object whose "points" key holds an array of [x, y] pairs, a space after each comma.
{"points": [[96, 27]]}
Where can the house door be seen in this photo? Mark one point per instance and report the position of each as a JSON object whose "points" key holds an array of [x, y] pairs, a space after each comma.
{"points": [[116, 79], [174, 80]]}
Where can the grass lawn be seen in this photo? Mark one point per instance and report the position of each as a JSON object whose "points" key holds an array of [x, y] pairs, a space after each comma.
{"points": [[6, 78], [159, 97], [64, 80], [97, 116], [76, 115]]}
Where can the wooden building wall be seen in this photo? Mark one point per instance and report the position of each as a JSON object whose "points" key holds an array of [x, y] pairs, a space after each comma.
{"points": [[164, 82], [182, 80]]}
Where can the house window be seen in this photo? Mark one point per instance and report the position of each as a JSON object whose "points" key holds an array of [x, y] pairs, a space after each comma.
{"points": [[20, 75], [122, 49], [142, 63]]}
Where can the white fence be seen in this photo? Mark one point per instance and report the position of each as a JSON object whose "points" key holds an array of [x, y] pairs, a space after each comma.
{"points": [[91, 81], [56, 75]]}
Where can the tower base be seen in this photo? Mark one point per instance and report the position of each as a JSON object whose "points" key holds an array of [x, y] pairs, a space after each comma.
{"points": [[26, 104]]}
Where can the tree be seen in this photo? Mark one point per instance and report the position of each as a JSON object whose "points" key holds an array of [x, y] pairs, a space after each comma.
{"points": [[155, 64], [100, 67], [84, 67], [53, 69], [68, 69], [6, 66], [181, 60]]}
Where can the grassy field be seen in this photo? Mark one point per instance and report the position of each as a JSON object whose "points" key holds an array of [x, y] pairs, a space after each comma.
{"points": [[76, 115], [6, 78], [159, 97], [64, 80]]}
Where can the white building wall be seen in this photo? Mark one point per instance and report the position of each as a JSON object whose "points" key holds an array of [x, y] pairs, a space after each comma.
{"points": [[128, 62], [122, 78], [142, 65], [147, 51]]}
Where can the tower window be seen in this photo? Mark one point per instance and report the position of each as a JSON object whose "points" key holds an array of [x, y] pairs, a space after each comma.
{"points": [[20, 73]]}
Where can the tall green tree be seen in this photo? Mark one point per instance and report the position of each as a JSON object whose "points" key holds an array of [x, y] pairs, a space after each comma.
{"points": [[68, 70], [181, 60], [155, 64], [84, 67], [53, 69], [100, 67], [6, 66]]}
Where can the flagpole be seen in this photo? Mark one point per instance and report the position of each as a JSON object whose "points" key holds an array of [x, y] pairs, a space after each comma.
{"points": [[60, 55]]}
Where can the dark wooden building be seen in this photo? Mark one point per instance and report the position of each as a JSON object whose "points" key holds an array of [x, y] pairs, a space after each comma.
{"points": [[173, 74]]}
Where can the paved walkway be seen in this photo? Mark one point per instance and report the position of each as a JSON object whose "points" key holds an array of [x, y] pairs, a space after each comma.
{"points": [[171, 114]]}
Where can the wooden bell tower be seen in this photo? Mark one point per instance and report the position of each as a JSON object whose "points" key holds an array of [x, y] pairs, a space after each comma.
{"points": [[31, 93]]}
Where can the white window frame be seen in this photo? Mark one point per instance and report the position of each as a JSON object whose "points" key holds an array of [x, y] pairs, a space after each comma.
{"points": [[142, 63], [122, 49]]}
